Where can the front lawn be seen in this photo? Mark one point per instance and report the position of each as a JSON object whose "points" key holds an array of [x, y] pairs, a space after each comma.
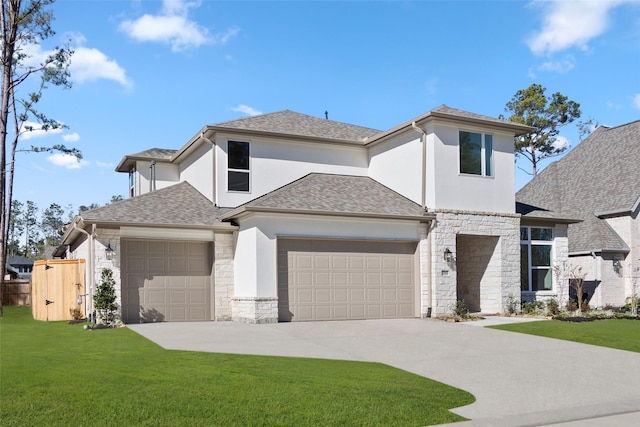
{"points": [[57, 374], [622, 334]]}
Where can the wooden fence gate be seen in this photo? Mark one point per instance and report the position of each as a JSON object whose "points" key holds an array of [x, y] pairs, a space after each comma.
{"points": [[56, 287]]}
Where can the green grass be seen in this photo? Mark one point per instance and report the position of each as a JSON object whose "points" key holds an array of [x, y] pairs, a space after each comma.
{"points": [[57, 374], [622, 334]]}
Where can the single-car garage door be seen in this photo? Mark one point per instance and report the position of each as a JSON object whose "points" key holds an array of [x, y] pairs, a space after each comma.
{"points": [[166, 280], [341, 280]]}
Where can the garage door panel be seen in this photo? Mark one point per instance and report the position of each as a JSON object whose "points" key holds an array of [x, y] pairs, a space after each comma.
{"points": [[166, 280], [334, 280]]}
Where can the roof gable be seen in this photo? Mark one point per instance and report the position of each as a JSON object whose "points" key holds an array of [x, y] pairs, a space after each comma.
{"points": [[297, 124], [177, 205], [601, 174], [328, 194]]}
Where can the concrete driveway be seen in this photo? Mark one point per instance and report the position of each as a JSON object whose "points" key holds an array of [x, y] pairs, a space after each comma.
{"points": [[517, 379]]}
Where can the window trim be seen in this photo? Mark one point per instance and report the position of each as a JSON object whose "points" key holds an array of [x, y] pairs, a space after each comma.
{"points": [[529, 243], [486, 158], [236, 170], [132, 182]]}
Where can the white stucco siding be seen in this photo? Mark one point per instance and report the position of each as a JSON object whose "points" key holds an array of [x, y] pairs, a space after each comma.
{"points": [[255, 260], [166, 175], [447, 188], [197, 169], [397, 165], [275, 163]]}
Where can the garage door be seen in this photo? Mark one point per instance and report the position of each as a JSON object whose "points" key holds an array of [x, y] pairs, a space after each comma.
{"points": [[166, 280], [341, 280]]}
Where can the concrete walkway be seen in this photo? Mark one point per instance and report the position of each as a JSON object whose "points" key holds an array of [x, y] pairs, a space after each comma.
{"points": [[517, 379]]}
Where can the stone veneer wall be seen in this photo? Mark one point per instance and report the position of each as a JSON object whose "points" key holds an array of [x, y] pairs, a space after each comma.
{"points": [[223, 275], [255, 309], [504, 265]]}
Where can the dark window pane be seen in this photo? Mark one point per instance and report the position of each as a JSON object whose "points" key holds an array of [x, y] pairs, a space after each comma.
{"points": [[541, 279], [524, 267], [470, 153], [488, 155], [541, 234], [541, 256], [238, 181], [238, 157], [524, 233]]}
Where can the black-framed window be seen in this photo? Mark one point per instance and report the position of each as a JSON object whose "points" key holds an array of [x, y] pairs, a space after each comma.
{"points": [[536, 255], [476, 153], [238, 166]]}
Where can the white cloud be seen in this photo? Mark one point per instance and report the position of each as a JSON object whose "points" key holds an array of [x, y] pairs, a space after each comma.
{"points": [[173, 26], [71, 137], [570, 23], [103, 164], [90, 64], [561, 142], [636, 101], [31, 130], [66, 161], [246, 110], [562, 66]]}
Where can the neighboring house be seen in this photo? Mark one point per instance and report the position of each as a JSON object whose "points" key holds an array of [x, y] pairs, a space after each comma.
{"points": [[599, 183], [21, 266], [289, 217]]}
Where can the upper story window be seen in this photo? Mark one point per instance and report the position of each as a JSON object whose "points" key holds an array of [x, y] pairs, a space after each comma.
{"points": [[536, 246], [132, 182], [476, 153], [238, 166]]}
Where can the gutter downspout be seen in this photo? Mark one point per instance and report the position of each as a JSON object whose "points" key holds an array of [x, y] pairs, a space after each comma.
{"points": [[423, 139], [213, 150], [423, 195], [91, 238]]}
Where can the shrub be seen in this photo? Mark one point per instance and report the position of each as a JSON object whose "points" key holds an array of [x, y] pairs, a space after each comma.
{"points": [[513, 304], [533, 307], [461, 309], [553, 306], [104, 300]]}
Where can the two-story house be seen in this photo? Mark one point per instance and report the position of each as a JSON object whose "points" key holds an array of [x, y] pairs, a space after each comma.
{"points": [[289, 217]]}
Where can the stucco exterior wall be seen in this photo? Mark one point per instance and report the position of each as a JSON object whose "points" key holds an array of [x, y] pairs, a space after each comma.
{"points": [[274, 163], [447, 188], [396, 164], [166, 175], [197, 169]]}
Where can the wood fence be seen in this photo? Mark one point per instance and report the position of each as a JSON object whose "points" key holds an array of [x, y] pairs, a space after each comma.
{"points": [[16, 292], [56, 286]]}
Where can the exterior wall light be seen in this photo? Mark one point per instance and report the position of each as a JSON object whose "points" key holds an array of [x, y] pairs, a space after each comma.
{"points": [[109, 252], [448, 255]]}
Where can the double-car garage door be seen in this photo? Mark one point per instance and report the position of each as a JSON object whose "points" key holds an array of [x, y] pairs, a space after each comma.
{"points": [[165, 280], [341, 280]]}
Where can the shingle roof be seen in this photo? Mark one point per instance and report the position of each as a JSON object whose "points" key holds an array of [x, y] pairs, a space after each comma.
{"points": [[334, 195], [159, 154], [292, 123], [601, 174], [178, 205]]}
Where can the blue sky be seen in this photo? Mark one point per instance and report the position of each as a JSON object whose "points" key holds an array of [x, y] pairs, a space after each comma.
{"points": [[152, 73]]}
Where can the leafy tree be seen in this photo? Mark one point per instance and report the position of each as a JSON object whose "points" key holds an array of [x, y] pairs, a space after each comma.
{"points": [[31, 229], [532, 107], [104, 300], [84, 208], [51, 224], [116, 198], [25, 23], [585, 127]]}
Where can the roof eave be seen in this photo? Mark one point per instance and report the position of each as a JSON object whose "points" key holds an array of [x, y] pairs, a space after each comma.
{"points": [[288, 136], [127, 161], [517, 128], [554, 220], [244, 210], [599, 251], [222, 226]]}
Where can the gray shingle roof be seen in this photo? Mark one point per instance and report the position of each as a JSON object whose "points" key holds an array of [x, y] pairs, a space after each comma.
{"points": [[178, 205], [334, 195], [159, 154], [601, 174], [292, 123]]}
